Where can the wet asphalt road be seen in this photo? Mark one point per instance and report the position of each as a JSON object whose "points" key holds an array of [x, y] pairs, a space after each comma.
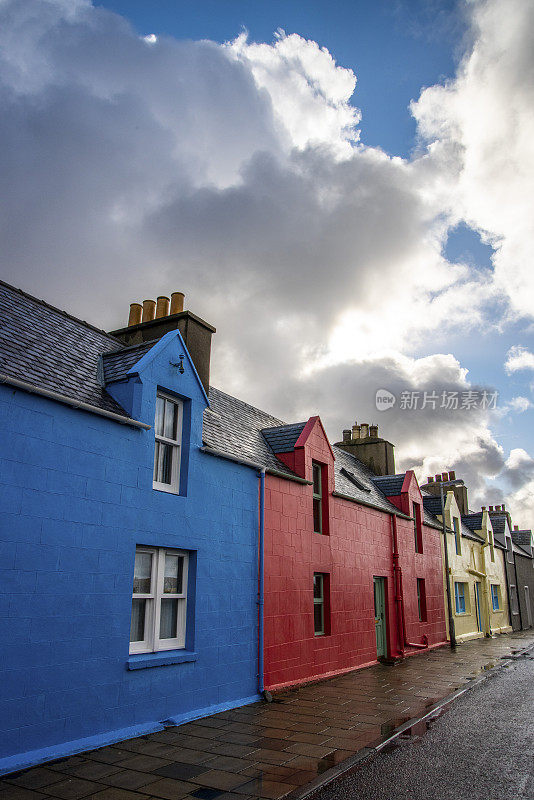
{"points": [[482, 747]]}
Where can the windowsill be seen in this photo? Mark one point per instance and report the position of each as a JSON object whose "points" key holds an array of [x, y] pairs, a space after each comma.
{"points": [[160, 487], [147, 660], [462, 613]]}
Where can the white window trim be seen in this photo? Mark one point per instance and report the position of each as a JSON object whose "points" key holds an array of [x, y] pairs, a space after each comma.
{"points": [[174, 486], [319, 601], [152, 643]]}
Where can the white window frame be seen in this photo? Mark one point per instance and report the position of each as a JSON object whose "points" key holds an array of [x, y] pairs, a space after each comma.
{"points": [[174, 486], [152, 643], [319, 601]]}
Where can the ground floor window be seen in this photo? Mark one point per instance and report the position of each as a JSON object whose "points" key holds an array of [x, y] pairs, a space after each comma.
{"points": [[159, 600], [421, 599], [320, 603], [459, 597], [495, 596]]}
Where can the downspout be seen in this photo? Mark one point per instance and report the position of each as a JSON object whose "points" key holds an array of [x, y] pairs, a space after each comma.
{"points": [[400, 598], [397, 586], [261, 533], [452, 629]]}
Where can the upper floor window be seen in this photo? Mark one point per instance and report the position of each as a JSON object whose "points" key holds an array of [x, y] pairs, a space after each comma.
{"points": [[159, 600], [167, 451], [457, 536], [317, 497], [491, 547], [418, 533]]}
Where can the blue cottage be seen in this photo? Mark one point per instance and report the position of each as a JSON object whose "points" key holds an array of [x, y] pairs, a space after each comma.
{"points": [[129, 554]]}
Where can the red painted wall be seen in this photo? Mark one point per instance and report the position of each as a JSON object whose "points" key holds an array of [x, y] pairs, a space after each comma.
{"points": [[358, 547]]}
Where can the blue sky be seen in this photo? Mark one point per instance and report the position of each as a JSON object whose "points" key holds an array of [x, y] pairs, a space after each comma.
{"points": [[394, 47], [331, 265]]}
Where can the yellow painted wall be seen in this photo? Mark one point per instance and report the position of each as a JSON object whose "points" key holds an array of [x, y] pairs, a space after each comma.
{"points": [[463, 568]]}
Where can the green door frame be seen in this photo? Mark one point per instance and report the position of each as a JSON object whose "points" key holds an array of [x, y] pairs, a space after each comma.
{"points": [[379, 590]]}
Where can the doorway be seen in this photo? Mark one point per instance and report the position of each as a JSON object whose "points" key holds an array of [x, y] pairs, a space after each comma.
{"points": [[380, 616]]}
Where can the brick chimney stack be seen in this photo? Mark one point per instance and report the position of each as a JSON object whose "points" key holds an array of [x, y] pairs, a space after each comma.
{"points": [[364, 443], [152, 320]]}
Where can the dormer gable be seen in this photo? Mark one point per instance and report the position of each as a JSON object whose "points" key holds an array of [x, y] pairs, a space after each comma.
{"points": [[300, 444]]}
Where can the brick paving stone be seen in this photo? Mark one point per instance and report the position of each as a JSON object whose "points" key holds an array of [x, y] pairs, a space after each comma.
{"points": [[219, 779], [35, 778], [11, 792], [72, 788], [118, 794], [130, 779], [166, 788], [259, 787]]}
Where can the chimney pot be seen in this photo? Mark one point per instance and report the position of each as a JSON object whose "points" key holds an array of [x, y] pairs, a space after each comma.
{"points": [[364, 428], [136, 312], [149, 310], [356, 431], [516, 527], [503, 507], [373, 431], [483, 508], [430, 479], [177, 302], [445, 476], [497, 508], [346, 435], [438, 478], [491, 509], [452, 475], [162, 307]]}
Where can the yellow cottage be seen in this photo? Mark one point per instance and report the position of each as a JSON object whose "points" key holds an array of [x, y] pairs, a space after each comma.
{"points": [[477, 578]]}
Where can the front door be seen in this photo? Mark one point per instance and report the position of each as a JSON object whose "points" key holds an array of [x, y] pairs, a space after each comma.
{"points": [[477, 605], [380, 616]]}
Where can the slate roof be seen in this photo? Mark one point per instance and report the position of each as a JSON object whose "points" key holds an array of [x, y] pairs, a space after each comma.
{"points": [[390, 485], [522, 537], [498, 523], [234, 428], [432, 503], [117, 364], [473, 521], [282, 438], [50, 349]]}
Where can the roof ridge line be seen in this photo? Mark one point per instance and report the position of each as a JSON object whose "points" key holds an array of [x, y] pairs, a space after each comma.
{"points": [[61, 311]]}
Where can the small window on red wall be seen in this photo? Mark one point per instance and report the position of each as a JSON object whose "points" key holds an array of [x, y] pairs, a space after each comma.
{"points": [[321, 603], [421, 599], [417, 528], [320, 497]]}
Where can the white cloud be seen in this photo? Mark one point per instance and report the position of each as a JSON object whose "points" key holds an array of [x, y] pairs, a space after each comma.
{"points": [[482, 128], [236, 174], [518, 358]]}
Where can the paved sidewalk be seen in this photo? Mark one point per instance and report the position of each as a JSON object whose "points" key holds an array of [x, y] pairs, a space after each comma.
{"points": [[266, 750]]}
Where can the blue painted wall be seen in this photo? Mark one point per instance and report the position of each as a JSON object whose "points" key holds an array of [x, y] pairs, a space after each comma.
{"points": [[76, 498]]}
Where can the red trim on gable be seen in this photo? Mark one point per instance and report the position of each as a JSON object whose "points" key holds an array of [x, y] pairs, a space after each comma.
{"points": [[301, 441]]}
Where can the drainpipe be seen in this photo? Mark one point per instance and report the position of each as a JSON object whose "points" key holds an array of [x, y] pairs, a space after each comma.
{"points": [[261, 531], [452, 629], [397, 585], [397, 571]]}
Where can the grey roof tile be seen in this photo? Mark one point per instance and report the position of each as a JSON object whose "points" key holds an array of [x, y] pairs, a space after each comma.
{"points": [[118, 363], [390, 485], [522, 537], [282, 438], [473, 521], [50, 349]]}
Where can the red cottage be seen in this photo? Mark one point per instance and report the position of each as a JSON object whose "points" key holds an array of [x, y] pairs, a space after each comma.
{"points": [[353, 568]]}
